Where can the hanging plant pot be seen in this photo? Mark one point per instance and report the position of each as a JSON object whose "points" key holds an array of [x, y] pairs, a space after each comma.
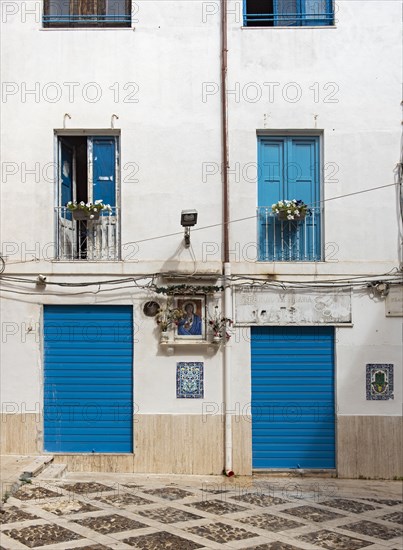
{"points": [[217, 339], [282, 216], [81, 215]]}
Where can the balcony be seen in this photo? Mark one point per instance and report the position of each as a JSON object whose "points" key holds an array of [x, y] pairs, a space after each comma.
{"points": [[88, 240], [289, 241], [87, 13]]}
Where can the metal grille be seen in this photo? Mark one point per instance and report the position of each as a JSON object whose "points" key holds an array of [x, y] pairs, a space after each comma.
{"points": [[92, 240]]}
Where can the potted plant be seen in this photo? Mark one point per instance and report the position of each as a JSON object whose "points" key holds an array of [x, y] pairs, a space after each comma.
{"points": [[166, 318], [289, 210], [87, 211], [218, 324]]}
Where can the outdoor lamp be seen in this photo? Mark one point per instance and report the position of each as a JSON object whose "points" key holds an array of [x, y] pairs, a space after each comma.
{"points": [[188, 220]]}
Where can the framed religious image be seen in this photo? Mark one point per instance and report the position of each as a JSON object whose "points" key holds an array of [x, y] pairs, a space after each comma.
{"points": [[192, 326]]}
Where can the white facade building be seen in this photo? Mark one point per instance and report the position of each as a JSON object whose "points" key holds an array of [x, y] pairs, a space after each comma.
{"points": [[122, 102]]}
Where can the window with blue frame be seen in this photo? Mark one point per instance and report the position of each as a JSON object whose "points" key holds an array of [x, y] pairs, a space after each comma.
{"points": [[88, 173], [289, 168], [288, 13], [87, 13]]}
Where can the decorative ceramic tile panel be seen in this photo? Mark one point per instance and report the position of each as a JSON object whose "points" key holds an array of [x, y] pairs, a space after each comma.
{"points": [[189, 380], [379, 381]]}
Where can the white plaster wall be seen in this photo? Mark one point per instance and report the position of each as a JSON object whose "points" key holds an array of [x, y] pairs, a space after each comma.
{"points": [[361, 131], [374, 338], [170, 133], [22, 358]]}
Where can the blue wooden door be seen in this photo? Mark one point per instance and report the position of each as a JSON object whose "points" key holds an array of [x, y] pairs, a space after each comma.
{"points": [[88, 379], [293, 415], [104, 169]]}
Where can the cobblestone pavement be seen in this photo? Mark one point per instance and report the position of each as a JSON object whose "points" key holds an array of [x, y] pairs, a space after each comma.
{"points": [[101, 511]]}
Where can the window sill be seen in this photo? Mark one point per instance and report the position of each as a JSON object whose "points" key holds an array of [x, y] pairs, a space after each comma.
{"points": [[69, 29], [198, 345]]}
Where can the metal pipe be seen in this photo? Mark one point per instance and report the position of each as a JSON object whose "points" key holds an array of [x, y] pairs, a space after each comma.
{"points": [[227, 266], [224, 128], [227, 373]]}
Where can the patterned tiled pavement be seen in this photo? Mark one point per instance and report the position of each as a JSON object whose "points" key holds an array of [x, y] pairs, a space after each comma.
{"points": [[111, 511]]}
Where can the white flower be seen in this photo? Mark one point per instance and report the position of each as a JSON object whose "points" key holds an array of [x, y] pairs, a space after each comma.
{"points": [[82, 203], [288, 211], [99, 201], [69, 203], [273, 206], [289, 217], [277, 211], [92, 217], [95, 209], [296, 212], [88, 205]]}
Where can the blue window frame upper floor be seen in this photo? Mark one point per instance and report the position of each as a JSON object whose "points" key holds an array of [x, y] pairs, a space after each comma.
{"points": [[289, 168], [88, 171], [288, 13], [87, 13]]}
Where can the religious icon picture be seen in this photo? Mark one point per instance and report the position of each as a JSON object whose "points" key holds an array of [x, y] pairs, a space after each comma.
{"points": [[192, 325]]}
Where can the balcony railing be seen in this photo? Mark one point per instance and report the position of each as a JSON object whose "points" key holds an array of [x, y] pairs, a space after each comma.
{"points": [[91, 240], [118, 20], [289, 19], [289, 241]]}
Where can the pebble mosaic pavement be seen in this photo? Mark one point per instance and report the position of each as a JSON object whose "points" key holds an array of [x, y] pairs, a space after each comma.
{"points": [[111, 511]]}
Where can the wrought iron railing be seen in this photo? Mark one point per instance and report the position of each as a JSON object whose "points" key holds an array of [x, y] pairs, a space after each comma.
{"points": [[286, 19], [118, 20], [289, 240], [86, 239]]}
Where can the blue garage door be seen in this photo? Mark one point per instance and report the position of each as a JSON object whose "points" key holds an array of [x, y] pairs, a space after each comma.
{"points": [[88, 392], [293, 418]]}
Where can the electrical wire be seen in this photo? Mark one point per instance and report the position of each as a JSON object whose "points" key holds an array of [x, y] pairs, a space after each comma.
{"points": [[220, 224], [255, 215]]}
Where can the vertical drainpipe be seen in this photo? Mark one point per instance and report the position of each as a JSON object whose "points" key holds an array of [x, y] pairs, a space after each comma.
{"points": [[227, 266]]}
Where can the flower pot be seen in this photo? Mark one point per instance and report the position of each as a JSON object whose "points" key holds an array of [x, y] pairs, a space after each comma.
{"points": [[217, 339], [282, 216], [164, 336], [81, 215]]}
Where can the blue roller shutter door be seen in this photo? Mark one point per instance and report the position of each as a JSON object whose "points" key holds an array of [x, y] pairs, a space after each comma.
{"points": [[88, 386], [293, 417]]}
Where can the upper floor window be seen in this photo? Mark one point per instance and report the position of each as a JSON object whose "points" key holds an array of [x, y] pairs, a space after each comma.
{"points": [[88, 174], [288, 13], [87, 13], [289, 169]]}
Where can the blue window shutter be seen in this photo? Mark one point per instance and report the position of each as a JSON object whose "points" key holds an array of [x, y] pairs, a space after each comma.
{"points": [[285, 12], [289, 169], [271, 169], [104, 169], [317, 12], [303, 183], [302, 170], [271, 188], [66, 173]]}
